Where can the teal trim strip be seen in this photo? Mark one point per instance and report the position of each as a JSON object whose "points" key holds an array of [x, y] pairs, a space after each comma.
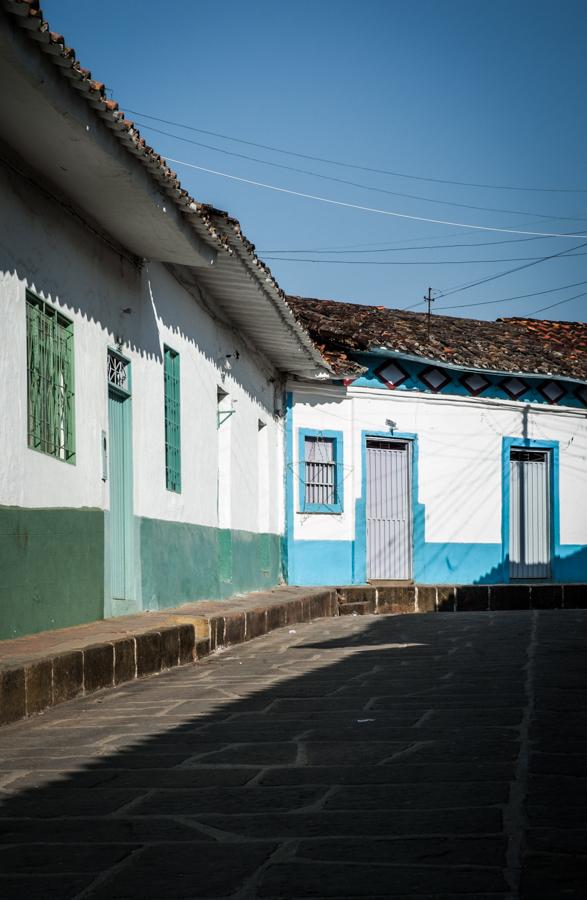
{"points": [[337, 438]]}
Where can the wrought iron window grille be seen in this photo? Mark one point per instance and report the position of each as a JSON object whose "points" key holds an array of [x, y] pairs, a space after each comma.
{"points": [[50, 380]]}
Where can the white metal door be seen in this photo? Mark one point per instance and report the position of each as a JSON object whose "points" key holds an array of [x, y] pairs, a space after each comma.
{"points": [[389, 540], [529, 514]]}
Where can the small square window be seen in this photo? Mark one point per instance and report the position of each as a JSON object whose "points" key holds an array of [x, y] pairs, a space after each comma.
{"points": [[320, 472]]}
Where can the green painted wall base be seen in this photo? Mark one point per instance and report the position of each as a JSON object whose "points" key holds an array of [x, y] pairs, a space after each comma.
{"points": [[181, 562], [54, 573], [52, 569]]}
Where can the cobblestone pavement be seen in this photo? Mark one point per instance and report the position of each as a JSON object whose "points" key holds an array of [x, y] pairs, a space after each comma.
{"points": [[382, 757]]}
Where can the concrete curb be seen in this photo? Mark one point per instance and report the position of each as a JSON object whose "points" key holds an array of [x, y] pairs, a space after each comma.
{"points": [[43, 670], [424, 598]]}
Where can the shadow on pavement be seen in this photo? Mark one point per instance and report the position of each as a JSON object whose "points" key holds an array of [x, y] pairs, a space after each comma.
{"points": [[355, 757]]}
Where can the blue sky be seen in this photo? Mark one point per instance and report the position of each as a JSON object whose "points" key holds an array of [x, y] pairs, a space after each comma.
{"points": [[490, 93]]}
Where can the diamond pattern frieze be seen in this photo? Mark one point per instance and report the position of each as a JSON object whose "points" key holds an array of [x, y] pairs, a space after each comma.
{"points": [[391, 374], [514, 387], [434, 378], [552, 391], [475, 383]]}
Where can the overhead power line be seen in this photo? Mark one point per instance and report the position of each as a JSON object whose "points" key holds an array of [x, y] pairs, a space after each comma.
{"points": [[346, 165], [350, 248], [563, 287], [471, 284], [560, 303], [409, 262], [396, 249], [367, 187], [381, 212], [528, 265]]}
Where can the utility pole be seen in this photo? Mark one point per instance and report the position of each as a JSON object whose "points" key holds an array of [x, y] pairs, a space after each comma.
{"points": [[429, 300]]}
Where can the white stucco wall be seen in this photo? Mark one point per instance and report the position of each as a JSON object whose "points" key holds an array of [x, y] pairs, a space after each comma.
{"points": [[460, 458], [45, 249]]}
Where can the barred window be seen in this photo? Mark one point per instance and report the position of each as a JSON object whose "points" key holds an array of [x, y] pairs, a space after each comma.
{"points": [[172, 422], [320, 463], [50, 380]]}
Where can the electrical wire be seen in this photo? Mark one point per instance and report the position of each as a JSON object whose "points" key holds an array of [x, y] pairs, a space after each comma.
{"points": [[560, 303], [367, 187], [378, 244], [410, 262], [510, 299], [528, 265], [401, 249], [334, 162], [381, 212]]}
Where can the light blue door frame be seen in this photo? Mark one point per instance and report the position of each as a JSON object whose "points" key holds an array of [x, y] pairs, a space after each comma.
{"points": [[509, 443], [417, 512]]}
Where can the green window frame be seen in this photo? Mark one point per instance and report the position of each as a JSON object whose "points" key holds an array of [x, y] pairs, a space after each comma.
{"points": [[50, 382], [172, 421]]}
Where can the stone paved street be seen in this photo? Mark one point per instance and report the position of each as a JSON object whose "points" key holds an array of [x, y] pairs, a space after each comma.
{"points": [[404, 756]]}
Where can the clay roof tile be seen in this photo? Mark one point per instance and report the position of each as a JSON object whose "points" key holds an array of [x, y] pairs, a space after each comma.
{"points": [[532, 346]]}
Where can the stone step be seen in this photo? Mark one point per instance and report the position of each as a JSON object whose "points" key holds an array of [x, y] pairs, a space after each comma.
{"points": [[357, 608]]}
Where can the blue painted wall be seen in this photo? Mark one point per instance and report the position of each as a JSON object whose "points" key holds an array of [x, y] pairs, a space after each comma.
{"points": [[326, 562]]}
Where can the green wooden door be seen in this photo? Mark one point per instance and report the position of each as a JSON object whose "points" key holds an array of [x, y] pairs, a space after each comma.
{"points": [[121, 514]]}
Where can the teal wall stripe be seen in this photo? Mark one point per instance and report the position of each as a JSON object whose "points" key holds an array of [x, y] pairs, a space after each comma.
{"points": [[181, 562], [52, 565]]}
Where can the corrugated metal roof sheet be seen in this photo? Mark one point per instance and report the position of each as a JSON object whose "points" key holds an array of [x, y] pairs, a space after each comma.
{"points": [[243, 285]]}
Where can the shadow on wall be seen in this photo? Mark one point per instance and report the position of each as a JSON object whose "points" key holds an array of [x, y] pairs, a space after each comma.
{"points": [[53, 560], [567, 567], [206, 771], [84, 272], [329, 562]]}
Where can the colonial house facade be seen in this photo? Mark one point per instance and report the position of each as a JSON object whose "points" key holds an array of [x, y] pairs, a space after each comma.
{"points": [[142, 357], [447, 451], [176, 428]]}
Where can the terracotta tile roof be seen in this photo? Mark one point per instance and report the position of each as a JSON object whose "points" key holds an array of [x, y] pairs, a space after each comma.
{"points": [[214, 225], [529, 346]]}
